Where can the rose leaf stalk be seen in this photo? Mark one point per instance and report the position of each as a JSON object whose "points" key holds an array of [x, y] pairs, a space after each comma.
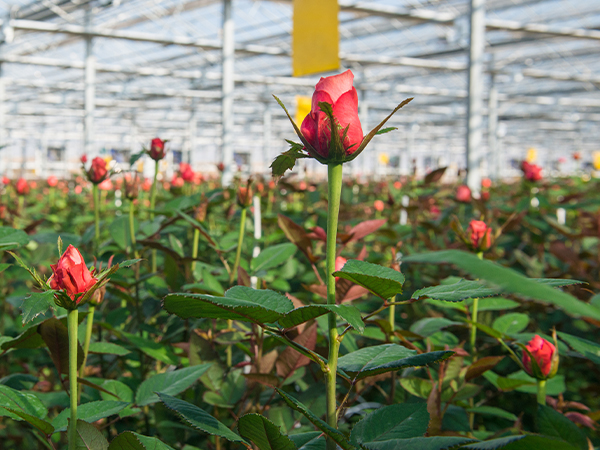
{"points": [[334, 174], [152, 204]]}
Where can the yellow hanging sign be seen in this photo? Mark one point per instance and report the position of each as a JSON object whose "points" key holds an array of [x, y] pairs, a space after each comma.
{"points": [[315, 37], [531, 155], [384, 159], [303, 105]]}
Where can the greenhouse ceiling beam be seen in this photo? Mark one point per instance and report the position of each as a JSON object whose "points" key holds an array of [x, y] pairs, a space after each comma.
{"points": [[206, 44]]}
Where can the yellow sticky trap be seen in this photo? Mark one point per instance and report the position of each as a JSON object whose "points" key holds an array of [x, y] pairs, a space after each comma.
{"points": [[596, 160], [140, 165], [384, 159], [107, 159], [531, 155], [303, 105], [315, 37]]}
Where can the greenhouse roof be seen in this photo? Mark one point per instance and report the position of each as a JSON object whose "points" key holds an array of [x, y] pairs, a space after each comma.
{"points": [[158, 72]]}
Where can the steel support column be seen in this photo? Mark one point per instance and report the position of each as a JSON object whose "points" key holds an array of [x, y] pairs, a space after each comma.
{"points": [[90, 89], [227, 93], [475, 99], [494, 154]]}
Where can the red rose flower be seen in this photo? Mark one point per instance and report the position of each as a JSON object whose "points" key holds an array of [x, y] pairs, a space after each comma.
{"points": [[22, 186], [52, 181], [157, 149], [5, 180], [463, 194], [186, 172], [98, 171], [543, 353], [532, 172], [83, 159], [378, 205], [71, 274], [479, 235], [338, 91]]}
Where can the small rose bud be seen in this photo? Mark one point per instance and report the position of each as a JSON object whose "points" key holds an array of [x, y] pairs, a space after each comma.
{"points": [[186, 172], [545, 355], [378, 205], [532, 172], [244, 197], [98, 172], [84, 159], [22, 186], [52, 181], [157, 149], [479, 235]]}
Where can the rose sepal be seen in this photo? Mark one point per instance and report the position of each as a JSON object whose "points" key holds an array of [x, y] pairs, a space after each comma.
{"points": [[62, 299], [377, 130]]}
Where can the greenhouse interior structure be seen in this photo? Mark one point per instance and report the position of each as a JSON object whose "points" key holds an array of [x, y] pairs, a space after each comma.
{"points": [[106, 76]]}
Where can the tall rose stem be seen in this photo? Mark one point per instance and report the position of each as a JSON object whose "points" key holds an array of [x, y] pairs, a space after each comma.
{"points": [[334, 175], [541, 392], [86, 345], [73, 322], [152, 204], [195, 249], [233, 273], [96, 195], [474, 318]]}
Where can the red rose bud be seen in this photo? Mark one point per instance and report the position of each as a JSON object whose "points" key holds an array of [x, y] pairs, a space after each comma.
{"points": [[22, 187], [545, 355], [576, 156], [220, 167], [5, 181], [186, 172], [157, 149], [338, 92], [244, 197], [98, 171], [71, 274], [397, 185], [52, 181], [479, 235], [486, 183], [83, 159], [378, 205], [147, 184], [463, 194], [532, 172], [106, 185]]}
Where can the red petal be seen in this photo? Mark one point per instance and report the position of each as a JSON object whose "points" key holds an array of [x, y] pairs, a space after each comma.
{"points": [[345, 111], [336, 85], [320, 96]]}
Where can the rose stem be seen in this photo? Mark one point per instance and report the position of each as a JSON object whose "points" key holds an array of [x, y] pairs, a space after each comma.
{"points": [[152, 203], [96, 217], [233, 273], [73, 322], [334, 175], [86, 344], [541, 392], [195, 249]]}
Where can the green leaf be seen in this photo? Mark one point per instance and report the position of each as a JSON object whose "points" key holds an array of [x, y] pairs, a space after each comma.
{"points": [[30, 338], [107, 348], [493, 411], [456, 292], [585, 348], [508, 280], [522, 442], [35, 304], [553, 423], [496, 304], [286, 160], [419, 443], [402, 421], [128, 440], [312, 440], [198, 418], [20, 401], [272, 257], [263, 433], [512, 323], [156, 350], [369, 361], [11, 238], [129, 263], [381, 281], [176, 245], [89, 438], [418, 387], [45, 427], [305, 313], [386, 130], [88, 412], [171, 383], [56, 336], [240, 303], [4, 266], [430, 325], [119, 231], [334, 434]]}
